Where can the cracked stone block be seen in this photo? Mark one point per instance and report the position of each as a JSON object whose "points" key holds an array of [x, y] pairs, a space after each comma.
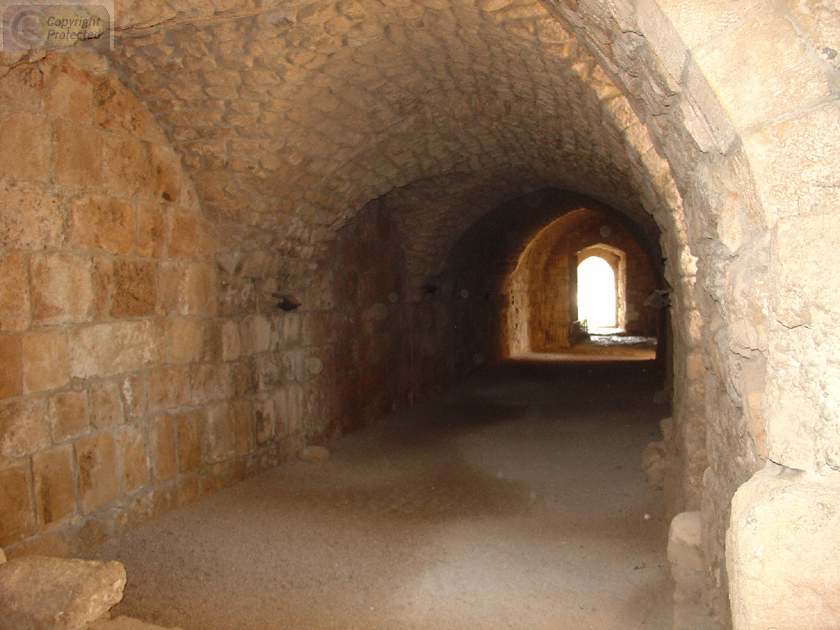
{"points": [[57, 594]]}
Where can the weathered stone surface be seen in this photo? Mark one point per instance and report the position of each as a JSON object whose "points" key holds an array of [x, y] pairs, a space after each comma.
{"points": [[742, 69], [106, 408], [44, 360], [821, 21], [61, 288], [151, 235], [69, 94], [184, 340], [25, 148], [783, 558], [55, 486], [96, 463], [266, 420], [11, 378], [791, 163], [314, 454], [77, 156], [114, 348], [698, 21], [182, 234], [655, 463], [685, 557], [116, 109], [131, 452], [14, 293], [135, 288], [287, 137], [244, 425], [219, 436], [128, 168], [230, 341], [187, 290], [15, 502], [99, 222], [41, 592], [162, 448], [133, 390], [23, 427], [68, 415], [693, 617], [167, 388], [188, 427], [24, 85], [209, 382], [255, 335], [663, 37], [166, 173], [30, 216]]}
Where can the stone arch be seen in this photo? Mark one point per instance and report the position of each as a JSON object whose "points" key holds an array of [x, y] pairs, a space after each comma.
{"points": [[539, 286], [617, 262]]}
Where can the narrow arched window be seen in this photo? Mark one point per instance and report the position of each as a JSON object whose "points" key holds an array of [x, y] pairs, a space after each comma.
{"points": [[597, 293]]}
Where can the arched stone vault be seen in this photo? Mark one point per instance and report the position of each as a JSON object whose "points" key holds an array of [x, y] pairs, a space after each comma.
{"points": [[302, 115], [715, 124]]}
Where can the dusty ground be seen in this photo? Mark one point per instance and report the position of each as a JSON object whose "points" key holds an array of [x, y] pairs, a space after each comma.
{"points": [[514, 501]]}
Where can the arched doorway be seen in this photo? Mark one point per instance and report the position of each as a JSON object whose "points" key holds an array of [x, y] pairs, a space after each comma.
{"points": [[600, 288]]}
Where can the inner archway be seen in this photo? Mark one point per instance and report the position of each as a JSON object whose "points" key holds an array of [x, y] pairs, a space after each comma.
{"points": [[597, 293], [543, 308]]}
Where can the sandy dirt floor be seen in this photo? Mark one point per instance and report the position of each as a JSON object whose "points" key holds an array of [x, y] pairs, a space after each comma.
{"points": [[516, 500]]}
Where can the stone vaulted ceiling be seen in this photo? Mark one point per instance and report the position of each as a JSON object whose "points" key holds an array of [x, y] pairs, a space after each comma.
{"points": [[292, 115]]}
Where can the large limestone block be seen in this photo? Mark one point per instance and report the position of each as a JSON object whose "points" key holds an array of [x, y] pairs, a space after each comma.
{"points": [[15, 311], [40, 593], [44, 360], [18, 518], [31, 216], [62, 292], [792, 163], [744, 70], [685, 557], [783, 556], [115, 348]]}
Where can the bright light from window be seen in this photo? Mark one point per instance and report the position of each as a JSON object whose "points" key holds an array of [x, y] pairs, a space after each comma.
{"points": [[596, 293]]}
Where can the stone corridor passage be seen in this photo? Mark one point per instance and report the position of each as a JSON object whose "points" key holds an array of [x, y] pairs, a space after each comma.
{"points": [[515, 500]]}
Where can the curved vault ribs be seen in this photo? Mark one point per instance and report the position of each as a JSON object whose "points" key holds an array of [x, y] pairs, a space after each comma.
{"points": [[292, 120]]}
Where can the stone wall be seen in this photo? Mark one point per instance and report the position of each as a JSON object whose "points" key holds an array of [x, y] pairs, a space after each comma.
{"points": [[109, 315], [144, 364]]}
